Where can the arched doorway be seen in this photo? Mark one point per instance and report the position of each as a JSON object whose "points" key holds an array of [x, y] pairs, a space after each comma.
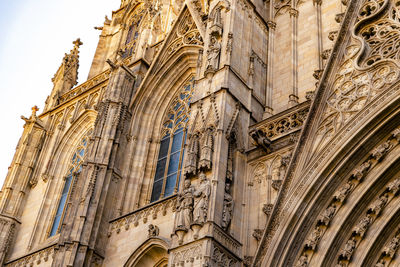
{"points": [[152, 253]]}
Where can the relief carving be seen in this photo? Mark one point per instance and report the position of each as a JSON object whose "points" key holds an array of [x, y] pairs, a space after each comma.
{"points": [[257, 234], [378, 204], [348, 250], [343, 191], [327, 215], [303, 261], [312, 241], [153, 230], [362, 226]]}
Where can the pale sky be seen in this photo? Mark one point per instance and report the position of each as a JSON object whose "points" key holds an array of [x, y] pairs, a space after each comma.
{"points": [[35, 34]]}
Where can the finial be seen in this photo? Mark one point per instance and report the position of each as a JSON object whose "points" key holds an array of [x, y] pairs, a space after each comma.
{"points": [[34, 110], [77, 43]]}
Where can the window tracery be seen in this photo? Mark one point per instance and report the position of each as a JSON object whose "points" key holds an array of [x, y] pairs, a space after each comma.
{"points": [[171, 151], [75, 168], [133, 33]]}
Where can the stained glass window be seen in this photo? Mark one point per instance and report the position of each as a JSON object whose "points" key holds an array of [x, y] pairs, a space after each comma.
{"points": [[74, 169], [171, 152]]}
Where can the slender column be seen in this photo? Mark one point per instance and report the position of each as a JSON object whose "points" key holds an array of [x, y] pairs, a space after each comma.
{"points": [[293, 97], [270, 76], [318, 4]]}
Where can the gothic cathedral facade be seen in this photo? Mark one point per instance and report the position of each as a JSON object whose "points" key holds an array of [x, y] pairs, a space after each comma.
{"points": [[216, 133]]}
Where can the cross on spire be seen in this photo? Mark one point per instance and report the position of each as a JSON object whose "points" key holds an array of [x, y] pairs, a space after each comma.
{"points": [[77, 43]]}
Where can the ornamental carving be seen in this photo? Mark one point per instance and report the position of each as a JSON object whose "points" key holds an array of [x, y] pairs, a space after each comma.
{"points": [[267, 209], [185, 34], [369, 67], [257, 234], [275, 127], [134, 219], [313, 239], [389, 250], [376, 207], [327, 215], [221, 258], [153, 230]]}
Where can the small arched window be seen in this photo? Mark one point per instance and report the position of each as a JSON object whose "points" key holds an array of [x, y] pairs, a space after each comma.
{"points": [[73, 171], [170, 155], [133, 34]]}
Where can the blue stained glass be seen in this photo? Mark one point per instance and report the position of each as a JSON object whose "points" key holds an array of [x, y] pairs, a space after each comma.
{"points": [[177, 106], [160, 168], [177, 142], [166, 177], [157, 187], [76, 167], [170, 185], [55, 225], [164, 148], [173, 163]]}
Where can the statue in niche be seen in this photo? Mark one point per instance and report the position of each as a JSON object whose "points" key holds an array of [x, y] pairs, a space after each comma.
{"points": [[343, 191], [391, 248], [348, 249], [202, 195], [206, 150], [193, 154], [213, 52], [228, 206], [184, 209], [327, 215]]}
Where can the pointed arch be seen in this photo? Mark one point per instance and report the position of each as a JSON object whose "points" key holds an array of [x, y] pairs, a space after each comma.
{"points": [[153, 252], [58, 167]]}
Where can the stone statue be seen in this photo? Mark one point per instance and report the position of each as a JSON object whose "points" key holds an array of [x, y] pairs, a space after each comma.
{"points": [[202, 195], [214, 49], [193, 154], [303, 261], [394, 186], [379, 204], [391, 248], [206, 150], [313, 240], [348, 249], [184, 210], [363, 225], [327, 215], [228, 207], [343, 191]]}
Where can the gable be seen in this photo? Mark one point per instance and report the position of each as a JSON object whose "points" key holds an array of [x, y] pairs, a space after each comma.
{"points": [[359, 83]]}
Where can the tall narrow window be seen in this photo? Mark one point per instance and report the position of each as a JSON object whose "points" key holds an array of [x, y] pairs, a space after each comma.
{"points": [[169, 163], [133, 34], [74, 169]]}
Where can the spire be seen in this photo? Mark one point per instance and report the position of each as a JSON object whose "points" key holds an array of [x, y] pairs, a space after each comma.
{"points": [[66, 76]]}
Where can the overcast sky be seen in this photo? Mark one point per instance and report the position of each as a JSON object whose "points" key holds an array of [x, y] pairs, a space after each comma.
{"points": [[35, 34]]}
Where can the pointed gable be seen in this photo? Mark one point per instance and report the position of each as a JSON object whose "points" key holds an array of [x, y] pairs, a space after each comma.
{"points": [[359, 82]]}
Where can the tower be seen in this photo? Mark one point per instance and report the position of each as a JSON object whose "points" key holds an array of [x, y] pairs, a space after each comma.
{"points": [[216, 133]]}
